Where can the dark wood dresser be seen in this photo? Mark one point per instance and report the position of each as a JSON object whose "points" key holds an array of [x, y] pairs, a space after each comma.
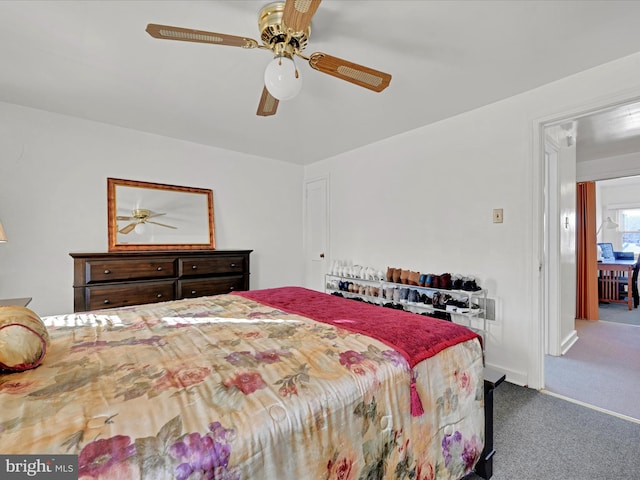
{"points": [[116, 279]]}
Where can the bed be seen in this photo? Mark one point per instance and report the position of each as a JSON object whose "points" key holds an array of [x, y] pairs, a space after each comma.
{"points": [[283, 383]]}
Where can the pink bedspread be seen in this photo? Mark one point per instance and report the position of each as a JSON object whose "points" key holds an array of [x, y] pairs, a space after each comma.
{"points": [[415, 337]]}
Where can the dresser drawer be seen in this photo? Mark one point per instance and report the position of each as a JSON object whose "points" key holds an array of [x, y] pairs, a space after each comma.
{"points": [[114, 270], [109, 296], [193, 266], [210, 286]]}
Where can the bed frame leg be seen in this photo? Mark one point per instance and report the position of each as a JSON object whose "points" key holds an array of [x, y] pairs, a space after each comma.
{"points": [[484, 467]]}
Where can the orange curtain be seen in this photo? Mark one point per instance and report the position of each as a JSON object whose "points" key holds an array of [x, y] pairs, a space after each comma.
{"points": [[587, 261]]}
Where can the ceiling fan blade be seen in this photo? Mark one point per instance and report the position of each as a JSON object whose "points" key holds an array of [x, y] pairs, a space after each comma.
{"points": [[128, 228], [161, 224], [298, 13], [119, 217], [156, 215], [268, 104], [351, 72], [168, 32]]}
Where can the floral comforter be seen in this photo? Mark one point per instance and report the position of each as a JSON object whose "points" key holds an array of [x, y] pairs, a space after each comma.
{"points": [[224, 387]]}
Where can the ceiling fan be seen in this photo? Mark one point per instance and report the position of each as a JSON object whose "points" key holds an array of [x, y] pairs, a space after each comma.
{"points": [[285, 30], [139, 217]]}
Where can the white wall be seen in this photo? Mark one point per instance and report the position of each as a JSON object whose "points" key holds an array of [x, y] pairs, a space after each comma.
{"points": [[423, 200], [53, 200]]}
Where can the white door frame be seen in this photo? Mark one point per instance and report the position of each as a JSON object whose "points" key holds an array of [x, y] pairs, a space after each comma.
{"points": [[539, 261], [551, 274]]}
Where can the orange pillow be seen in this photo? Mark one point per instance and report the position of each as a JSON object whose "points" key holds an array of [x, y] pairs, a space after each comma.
{"points": [[23, 339]]}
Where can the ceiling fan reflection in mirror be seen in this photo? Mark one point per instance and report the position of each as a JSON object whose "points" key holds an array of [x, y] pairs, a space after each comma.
{"points": [[139, 218], [285, 30]]}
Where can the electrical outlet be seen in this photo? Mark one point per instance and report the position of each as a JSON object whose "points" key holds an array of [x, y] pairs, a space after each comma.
{"points": [[497, 215]]}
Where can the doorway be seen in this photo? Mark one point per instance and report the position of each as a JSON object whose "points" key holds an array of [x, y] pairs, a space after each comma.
{"points": [[551, 300]]}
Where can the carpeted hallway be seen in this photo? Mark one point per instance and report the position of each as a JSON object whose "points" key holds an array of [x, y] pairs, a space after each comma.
{"points": [[603, 367]]}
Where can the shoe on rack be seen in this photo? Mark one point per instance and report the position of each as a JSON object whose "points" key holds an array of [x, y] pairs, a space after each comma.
{"points": [[414, 278], [396, 275], [389, 276], [414, 296], [404, 294], [469, 284]]}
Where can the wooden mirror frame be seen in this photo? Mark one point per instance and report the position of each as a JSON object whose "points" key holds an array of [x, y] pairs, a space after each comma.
{"points": [[188, 210]]}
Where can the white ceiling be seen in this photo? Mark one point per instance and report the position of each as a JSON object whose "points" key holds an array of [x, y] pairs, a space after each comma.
{"points": [[612, 132], [94, 60]]}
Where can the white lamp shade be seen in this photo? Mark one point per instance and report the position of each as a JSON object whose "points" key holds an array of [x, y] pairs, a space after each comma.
{"points": [[3, 236], [608, 224], [282, 79]]}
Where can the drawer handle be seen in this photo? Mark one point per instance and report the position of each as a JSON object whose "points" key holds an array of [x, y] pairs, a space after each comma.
{"points": [[232, 288], [159, 295], [159, 269], [193, 292], [194, 267], [233, 265], [106, 302], [107, 271]]}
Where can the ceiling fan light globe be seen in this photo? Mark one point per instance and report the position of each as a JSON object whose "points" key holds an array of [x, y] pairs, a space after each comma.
{"points": [[140, 228], [282, 79]]}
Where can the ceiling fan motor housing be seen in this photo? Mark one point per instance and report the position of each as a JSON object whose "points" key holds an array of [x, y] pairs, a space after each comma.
{"points": [[141, 213], [275, 35]]}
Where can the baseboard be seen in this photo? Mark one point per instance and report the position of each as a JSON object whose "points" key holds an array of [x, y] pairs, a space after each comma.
{"points": [[568, 342]]}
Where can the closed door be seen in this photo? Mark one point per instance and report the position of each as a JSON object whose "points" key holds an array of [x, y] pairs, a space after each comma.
{"points": [[316, 223]]}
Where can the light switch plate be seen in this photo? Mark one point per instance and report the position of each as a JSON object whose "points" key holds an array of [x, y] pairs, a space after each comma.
{"points": [[497, 215]]}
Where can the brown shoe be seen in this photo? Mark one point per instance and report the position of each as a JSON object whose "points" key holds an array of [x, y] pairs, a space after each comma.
{"points": [[396, 275], [390, 274], [445, 281]]}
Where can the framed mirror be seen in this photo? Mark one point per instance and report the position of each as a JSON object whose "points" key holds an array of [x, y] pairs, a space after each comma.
{"points": [[155, 216]]}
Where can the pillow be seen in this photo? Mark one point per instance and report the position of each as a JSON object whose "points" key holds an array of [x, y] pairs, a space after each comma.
{"points": [[23, 339]]}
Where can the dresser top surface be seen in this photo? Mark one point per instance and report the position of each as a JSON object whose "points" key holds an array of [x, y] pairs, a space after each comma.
{"points": [[159, 253]]}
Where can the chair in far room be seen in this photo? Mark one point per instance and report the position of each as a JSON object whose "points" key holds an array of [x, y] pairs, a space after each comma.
{"points": [[634, 284], [634, 277]]}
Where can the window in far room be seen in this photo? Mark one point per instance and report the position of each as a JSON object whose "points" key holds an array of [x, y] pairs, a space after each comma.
{"points": [[629, 229]]}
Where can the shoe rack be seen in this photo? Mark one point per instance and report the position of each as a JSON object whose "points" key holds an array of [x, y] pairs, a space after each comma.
{"points": [[464, 307]]}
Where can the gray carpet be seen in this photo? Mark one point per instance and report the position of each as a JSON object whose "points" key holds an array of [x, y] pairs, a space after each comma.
{"points": [[601, 369], [619, 313], [541, 437]]}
